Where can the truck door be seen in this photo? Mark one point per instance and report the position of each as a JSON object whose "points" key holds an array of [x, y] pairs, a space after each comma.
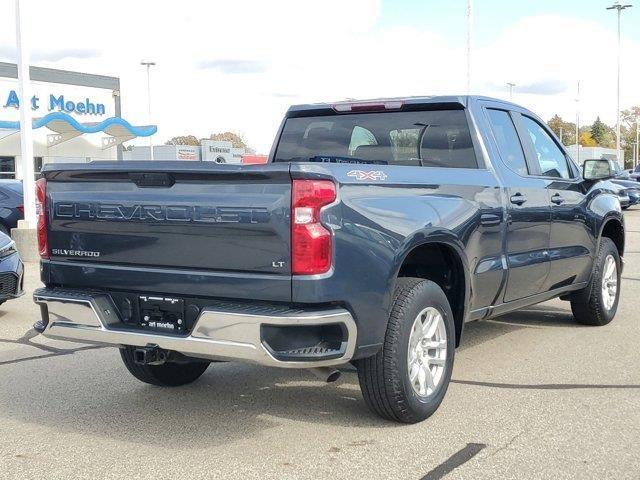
{"points": [[528, 211], [571, 243]]}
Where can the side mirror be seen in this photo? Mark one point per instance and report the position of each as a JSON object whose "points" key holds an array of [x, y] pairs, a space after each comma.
{"points": [[597, 170]]}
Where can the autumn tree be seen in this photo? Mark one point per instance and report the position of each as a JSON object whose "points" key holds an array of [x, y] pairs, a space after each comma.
{"points": [[236, 140], [628, 131], [560, 127], [184, 140], [586, 139]]}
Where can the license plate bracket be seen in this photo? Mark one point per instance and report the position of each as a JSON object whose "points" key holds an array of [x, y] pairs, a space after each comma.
{"points": [[164, 314]]}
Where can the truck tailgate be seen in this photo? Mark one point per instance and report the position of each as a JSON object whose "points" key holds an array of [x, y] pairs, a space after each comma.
{"points": [[177, 214]]}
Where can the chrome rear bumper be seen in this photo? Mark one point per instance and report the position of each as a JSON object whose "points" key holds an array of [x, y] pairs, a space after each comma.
{"points": [[218, 334]]}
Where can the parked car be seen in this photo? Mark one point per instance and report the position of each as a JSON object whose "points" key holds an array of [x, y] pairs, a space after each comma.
{"points": [[11, 270], [623, 197], [11, 205], [619, 172], [635, 174], [630, 189], [376, 230]]}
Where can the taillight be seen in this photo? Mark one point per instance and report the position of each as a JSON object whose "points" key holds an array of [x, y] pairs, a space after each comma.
{"points": [[41, 212], [21, 210], [311, 242]]}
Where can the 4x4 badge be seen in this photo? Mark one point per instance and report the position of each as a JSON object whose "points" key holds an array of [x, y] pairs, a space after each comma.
{"points": [[367, 174]]}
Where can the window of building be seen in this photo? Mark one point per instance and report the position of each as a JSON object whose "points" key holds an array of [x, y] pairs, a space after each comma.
{"points": [[7, 167]]}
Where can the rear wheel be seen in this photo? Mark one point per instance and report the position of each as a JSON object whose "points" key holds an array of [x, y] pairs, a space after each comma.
{"points": [[598, 303], [165, 375], [407, 380]]}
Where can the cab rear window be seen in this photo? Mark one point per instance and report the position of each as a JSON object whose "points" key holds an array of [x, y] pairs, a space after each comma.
{"points": [[427, 138]]}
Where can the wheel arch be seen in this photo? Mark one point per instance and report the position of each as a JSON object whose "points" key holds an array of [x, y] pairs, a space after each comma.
{"points": [[613, 227], [440, 259]]}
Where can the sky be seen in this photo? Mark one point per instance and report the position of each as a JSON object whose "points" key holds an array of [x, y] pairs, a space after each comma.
{"points": [[239, 65]]}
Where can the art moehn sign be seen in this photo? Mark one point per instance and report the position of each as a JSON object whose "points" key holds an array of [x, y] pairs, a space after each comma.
{"points": [[76, 101]]}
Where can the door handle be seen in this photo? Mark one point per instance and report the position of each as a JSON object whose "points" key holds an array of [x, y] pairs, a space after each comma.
{"points": [[518, 199], [557, 199]]}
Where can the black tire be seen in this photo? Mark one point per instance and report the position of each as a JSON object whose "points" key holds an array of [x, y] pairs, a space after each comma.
{"points": [[588, 305], [384, 377], [165, 375]]}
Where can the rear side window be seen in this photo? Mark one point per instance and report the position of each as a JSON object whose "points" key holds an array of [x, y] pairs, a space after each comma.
{"points": [[361, 137], [508, 142], [429, 138]]}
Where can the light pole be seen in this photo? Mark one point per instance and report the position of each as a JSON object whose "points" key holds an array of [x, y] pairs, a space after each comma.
{"points": [[511, 85], [149, 64], [617, 6], [578, 124], [637, 141], [26, 133], [469, 39]]}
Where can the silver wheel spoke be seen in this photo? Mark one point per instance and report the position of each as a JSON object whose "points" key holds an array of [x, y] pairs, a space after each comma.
{"points": [[413, 372], [609, 282], [437, 361], [435, 323], [422, 381], [429, 378]]}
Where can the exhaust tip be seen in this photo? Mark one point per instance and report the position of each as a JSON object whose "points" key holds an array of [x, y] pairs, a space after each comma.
{"points": [[334, 376], [326, 374]]}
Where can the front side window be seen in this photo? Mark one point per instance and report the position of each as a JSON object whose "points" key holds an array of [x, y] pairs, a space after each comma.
{"points": [[424, 138], [508, 142], [552, 161]]}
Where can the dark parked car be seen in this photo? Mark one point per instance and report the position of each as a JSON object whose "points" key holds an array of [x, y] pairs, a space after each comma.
{"points": [[11, 205], [631, 190], [619, 172], [376, 230], [11, 270]]}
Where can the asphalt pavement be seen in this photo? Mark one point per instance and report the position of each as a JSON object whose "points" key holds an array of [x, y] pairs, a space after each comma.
{"points": [[533, 395]]}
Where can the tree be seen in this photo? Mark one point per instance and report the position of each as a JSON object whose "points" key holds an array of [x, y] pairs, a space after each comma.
{"points": [[568, 129], [598, 131], [184, 140], [236, 140], [586, 140], [629, 122]]}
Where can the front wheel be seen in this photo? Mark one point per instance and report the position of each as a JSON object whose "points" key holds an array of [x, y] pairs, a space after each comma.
{"points": [[407, 380], [598, 303]]}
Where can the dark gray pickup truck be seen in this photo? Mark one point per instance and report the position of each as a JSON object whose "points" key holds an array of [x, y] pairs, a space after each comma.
{"points": [[376, 230]]}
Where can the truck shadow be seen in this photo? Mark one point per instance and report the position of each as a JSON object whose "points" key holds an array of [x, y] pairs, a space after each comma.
{"points": [[92, 393]]}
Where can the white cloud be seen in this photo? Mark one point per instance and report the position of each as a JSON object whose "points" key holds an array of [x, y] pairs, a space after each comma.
{"points": [[238, 65], [552, 50]]}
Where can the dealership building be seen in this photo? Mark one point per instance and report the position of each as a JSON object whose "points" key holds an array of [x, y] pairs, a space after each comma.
{"points": [[76, 118]]}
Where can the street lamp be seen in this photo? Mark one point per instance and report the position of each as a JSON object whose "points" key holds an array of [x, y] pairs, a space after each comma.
{"points": [[617, 6], [149, 64], [578, 124], [637, 159], [511, 85], [469, 38]]}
